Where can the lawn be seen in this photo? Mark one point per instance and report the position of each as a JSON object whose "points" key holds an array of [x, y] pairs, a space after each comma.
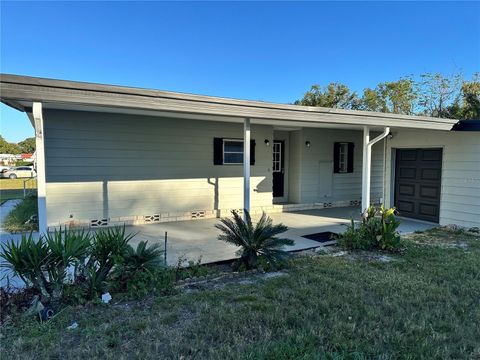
{"points": [[423, 303], [13, 188]]}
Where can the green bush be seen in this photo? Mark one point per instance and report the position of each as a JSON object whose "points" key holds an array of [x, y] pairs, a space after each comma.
{"points": [[138, 269], [100, 262], [108, 248], [377, 230], [257, 243], [42, 264], [159, 281], [18, 219]]}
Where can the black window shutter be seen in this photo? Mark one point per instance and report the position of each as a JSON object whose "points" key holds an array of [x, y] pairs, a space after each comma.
{"points": [[350, 158], [252, 152], [217, 151], [336, 157]]}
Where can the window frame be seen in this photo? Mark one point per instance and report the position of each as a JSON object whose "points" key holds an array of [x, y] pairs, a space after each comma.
{"points": [[232, 152]]}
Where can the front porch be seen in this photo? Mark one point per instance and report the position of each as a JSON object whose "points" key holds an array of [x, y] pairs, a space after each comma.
{"points": [[196, 239]]}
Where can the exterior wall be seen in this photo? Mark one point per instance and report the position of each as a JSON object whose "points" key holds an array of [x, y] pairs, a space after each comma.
{"points": [[122, 167], [318, 183], [460, 194]]}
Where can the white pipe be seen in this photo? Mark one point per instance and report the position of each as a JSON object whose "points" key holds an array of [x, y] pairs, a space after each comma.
{"points": [[246, 165], [367, 163]]}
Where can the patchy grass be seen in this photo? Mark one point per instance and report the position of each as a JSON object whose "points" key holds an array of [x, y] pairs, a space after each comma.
{"points": [[22, 212], [13, 188], [425, 304]]}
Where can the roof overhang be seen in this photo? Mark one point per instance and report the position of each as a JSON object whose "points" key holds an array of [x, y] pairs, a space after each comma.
{"points": [[20, 92]]}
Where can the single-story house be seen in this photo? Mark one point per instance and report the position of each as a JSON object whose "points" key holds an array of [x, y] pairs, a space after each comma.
{"points": [[112, 155]]}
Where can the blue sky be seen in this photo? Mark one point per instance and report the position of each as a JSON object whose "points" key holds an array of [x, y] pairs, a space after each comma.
{"points": [[261, 51]]}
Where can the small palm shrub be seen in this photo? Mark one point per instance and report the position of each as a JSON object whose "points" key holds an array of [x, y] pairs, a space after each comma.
{"points": [[377, 230], [27, 259], [258, 244], [100, 262], [108, 248], [138, 268], [43, 263]]}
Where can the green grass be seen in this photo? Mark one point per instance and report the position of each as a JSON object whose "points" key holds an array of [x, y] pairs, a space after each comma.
{"points": [[423, 304], [13, 188], [15, 220]]}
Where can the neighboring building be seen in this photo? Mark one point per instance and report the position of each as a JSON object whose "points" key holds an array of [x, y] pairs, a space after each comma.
{"points": [[8, 159], [26, 157], [111, 154]]}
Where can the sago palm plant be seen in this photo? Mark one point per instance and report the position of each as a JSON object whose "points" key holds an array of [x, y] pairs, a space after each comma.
{"points": [[257, 242]]}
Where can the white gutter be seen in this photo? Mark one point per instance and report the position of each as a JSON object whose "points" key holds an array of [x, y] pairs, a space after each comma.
{"points": [[367, 163]]}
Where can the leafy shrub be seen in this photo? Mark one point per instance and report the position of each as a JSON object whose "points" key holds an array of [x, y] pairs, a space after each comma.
{"points": [[42, 264], [66, 248], [377, 230], [256, 242], [159, 281], [138, 268], [107, 249], [99, 262], [27, 260], [18, 218], [191, 270]]}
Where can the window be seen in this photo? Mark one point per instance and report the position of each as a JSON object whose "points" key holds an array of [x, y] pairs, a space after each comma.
{"points": [[277, 157], [232, 151], [343, 157]]}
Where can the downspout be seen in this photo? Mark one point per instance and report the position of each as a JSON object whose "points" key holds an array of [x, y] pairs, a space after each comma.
{"points": [[367, 163]]}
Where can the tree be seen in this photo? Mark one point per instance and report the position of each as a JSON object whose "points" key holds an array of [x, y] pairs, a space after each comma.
{"points": [[27, 145], [471, 98], [335, 95], [437, 92], [8, 148], [390, 97], [372, 100], [398, 95]]}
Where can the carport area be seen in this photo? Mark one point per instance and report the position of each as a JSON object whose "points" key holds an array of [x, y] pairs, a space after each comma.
{"points": [[197, 239]]}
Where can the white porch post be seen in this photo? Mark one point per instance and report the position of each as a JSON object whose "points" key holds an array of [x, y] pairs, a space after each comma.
{"points": [[40, 161], [367, 163], [246, 165]]}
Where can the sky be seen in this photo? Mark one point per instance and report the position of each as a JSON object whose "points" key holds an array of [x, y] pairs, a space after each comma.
{"points": [[271, 51]]}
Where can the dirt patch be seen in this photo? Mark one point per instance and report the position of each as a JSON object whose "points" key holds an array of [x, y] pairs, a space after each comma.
{"points": [[222, 280]]}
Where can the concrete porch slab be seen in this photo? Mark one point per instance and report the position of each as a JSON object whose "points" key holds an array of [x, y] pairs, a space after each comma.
{"points": [[197, 239]]}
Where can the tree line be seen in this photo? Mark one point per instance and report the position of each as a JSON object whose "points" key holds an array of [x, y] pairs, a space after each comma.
{"points": [[430, 94], [26, 146]]}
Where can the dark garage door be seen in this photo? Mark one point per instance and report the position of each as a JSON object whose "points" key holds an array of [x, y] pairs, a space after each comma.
{"points": [[418, 174]]}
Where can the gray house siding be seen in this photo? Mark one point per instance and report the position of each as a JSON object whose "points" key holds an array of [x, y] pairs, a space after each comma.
{"points": [[101, 166], [130, 168], [316, 181]]}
